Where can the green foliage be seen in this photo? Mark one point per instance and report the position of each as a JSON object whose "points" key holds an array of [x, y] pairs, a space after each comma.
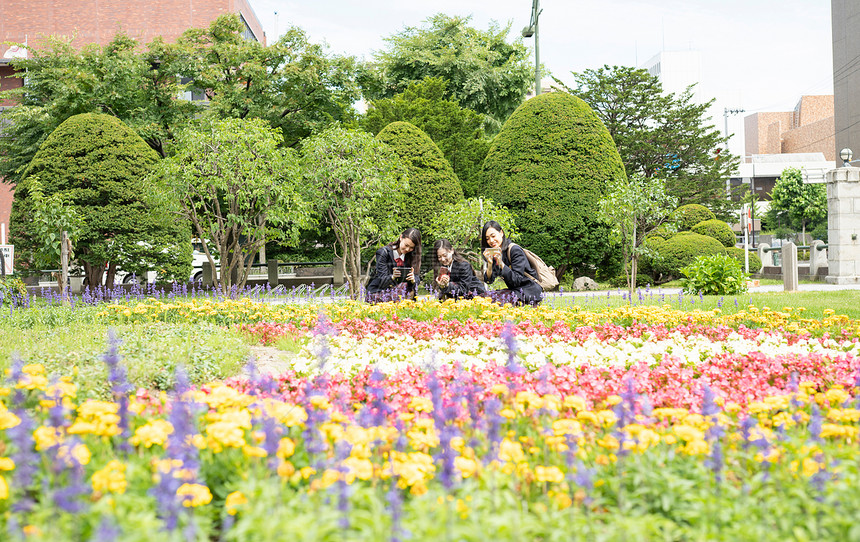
{"points": [[358, 183], [484, 72], [432, 183], [50, 217], [687, 216], [796, 205], [679, 251], [623, 281], [633, 208], [550, 165], [293, 84], [667, 136], [461, 224], [98, 166], [717, 274], [457, 131], [138, 87], [11, 286], [717, 229], [238, 187], [738, 254]]}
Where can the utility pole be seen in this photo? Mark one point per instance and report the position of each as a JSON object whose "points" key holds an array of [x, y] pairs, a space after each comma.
{"points": [[726, 113], [532, 30]]}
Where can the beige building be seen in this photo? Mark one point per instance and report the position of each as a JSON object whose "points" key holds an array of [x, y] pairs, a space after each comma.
{"points": [[807, 129]]}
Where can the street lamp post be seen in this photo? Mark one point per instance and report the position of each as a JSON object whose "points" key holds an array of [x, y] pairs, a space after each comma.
{"points": [[532, 30], [846, 154]]}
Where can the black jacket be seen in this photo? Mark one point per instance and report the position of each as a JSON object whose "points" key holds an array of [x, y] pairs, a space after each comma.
{"points": [[514, 272], [382, 280], [463, 281]]}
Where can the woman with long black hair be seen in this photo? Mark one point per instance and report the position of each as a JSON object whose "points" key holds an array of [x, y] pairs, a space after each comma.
{"points": [[507, 260], [398, 268], [455, 278]]}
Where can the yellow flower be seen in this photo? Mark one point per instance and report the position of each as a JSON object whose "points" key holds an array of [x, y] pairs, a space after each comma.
{"points": [[421, 404], [695, 447], [233, 501], [7, 464], [549, 474], [687, 433], [358, 468], [286, 448], [286, 469], [467, 466], [194, 495], [613, 400], [511, 451], [154, 432], [8, 419], [566, 426], [46, 437], [110, 479], [4, 489], [575, 402]]}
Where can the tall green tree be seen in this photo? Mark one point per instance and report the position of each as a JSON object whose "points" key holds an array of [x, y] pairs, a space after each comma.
{"points": [[295, 85], [484, 71], [634, 207], [359, 183], [238, 187], [459, 132], [138, 86], [98, 166], [658, 135], [796, 205]]}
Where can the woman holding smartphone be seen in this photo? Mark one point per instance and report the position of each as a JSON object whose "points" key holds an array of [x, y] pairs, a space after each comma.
{"points": [[508, 261], [398, 266], [455, 278]]}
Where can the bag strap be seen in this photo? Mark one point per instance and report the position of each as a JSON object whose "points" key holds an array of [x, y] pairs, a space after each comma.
{"points": [[527, 259]]}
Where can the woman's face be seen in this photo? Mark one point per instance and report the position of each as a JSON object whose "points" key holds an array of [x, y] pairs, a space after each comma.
{"points": [[494, 237], [445, 256], [406, 245]]}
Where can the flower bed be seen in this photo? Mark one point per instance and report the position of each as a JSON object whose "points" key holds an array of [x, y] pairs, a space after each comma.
{"points": [[579, 425]]}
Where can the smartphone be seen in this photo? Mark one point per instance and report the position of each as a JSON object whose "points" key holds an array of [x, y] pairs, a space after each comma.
{"points": [[443, 271], [404, 272]]}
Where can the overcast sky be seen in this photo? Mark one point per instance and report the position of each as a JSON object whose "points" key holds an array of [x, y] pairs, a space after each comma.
{"points": [[757, 55]]}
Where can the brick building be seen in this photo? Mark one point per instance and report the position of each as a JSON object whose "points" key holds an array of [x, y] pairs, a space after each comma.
{"points": [[97, 21], [807, 129]]}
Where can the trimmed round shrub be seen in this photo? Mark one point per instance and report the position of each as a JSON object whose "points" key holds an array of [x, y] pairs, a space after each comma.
{"points": [[101, 167], [432, 182], [681, 250], [687, 216], [717, 229], [550, 164], [738, 254]]}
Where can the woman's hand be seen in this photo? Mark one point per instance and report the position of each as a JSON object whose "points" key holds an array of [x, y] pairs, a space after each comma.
{"points": [[497, 258], [443, 280], [411, 276]]}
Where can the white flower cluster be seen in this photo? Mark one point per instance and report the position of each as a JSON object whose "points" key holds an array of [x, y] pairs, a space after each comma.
{"points": [[392, 352]]}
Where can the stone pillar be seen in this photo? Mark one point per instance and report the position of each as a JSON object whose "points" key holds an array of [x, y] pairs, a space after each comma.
{"points": [[272, 268], [208, 275], [337, 278], [766, 256], [843, 226], [789, 267], [817, 257]]}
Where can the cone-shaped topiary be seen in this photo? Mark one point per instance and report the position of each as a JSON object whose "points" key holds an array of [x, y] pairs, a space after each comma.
{"points": [[687, 216], [550, 165], [432, 182], [100, 166], [717, 229]]}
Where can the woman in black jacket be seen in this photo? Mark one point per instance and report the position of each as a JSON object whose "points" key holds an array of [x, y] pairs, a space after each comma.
{"points": [[455, 278], [508, 261], [398, 266]]}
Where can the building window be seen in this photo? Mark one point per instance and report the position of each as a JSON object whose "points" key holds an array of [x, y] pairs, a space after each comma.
{"points": [[247, 33]]}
